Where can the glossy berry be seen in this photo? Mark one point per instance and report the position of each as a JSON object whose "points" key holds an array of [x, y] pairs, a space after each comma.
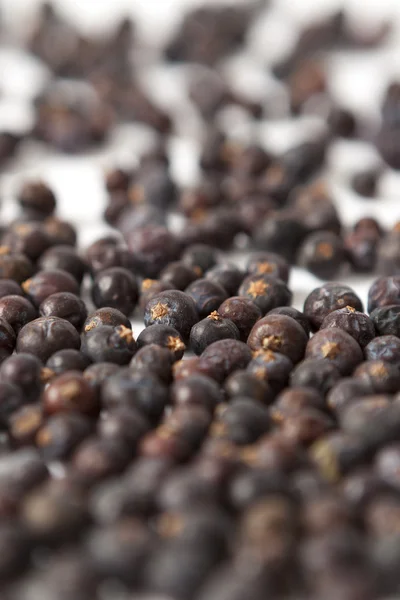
{"points": [[105, 316], [45, 283], [67, 360], [155, 360], [116, 288], [47, 335], [207, 295], [17, 311], [229, 276], [225, 356], [268, 263], [272, 367], [245, 384], [70, 392], [380, 376], [211, 329], [9, 287], [174, 308], [65, 258], [355, 323], [109, 344], [150, 288], [164, 336], [322, 253], [266, 292], [327, 298], [16, 267], [279, 333], [178, 275], [336, 346], [243, 312], [315, 373], [23, 370], [65, 306]]}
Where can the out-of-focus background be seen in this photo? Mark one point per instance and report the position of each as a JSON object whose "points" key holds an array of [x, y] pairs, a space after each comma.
{"points": [[357, 80]]}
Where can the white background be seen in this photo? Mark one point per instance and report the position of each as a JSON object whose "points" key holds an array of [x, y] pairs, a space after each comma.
{"points": [[358, 81]]}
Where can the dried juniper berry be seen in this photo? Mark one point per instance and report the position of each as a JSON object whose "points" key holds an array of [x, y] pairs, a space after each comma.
{"points": [[45, 283], [357, 415], [174, 308], [124, 423], [315, 373], [279, 333], [154, 359], [24, 371], [211, 329], [150, 288], [65, 258], [385, 347], [11, 399], [225, 356], [280, 233], [16, 267], [109, 344], [165, 336], [61, 433], [306, 426], [380, 376], [17, 311], [365, 182], [29, 239], [97, 458], [327, 298], [268, 263], [242, 421], [60, 232], [322, 253], [67, 360], [96, 374], [294, 400], [200, 256], [245, 384], [355, 323], [361, 251], [345, 392], [383, 292], [24, 424], [9, 287], [37, 199], [70, 392], [7, 340], [65, 306], [243, 312], [196, 390], [153, 248], [336, 346], [272, 367], [207, 295], [106, 316], [386, 319], [227, 275], [266, 292], [141, 391], [295, 314], [116, 288], [179, 275]]}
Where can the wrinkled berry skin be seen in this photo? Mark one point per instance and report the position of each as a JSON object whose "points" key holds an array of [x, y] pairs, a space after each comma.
{"points": [[279, 333], [17, 311], [207, 295], [355, 323], [109, 344], [210, 330], [384, 291], [336, 346], [386, 319], [327, 298], [385, 347], [45, 283], [174, 308], [266, 292], [65, 306], [46, 335], [243, 312]]}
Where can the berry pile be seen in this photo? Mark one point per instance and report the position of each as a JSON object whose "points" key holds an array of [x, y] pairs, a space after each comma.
{"points": [[237, 448]]}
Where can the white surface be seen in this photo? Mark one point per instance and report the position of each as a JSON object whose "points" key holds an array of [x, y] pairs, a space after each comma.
{"points": [[358, 81]]}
